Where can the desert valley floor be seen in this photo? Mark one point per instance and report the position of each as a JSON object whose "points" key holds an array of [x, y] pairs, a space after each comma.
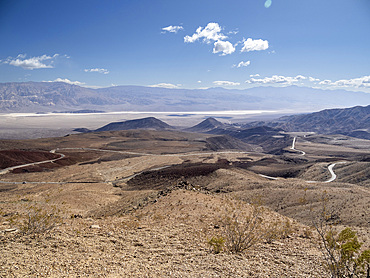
{"points": [[145, 203]]}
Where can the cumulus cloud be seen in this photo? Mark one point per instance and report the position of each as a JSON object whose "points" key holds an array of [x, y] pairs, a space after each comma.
{"points": [[172, 29], [276, 79], [254, 45], [225, 47], [312, 79], [360, 82], [301, 77], [254, 75], [325, 82], [65, 80], [166, 85], [354, 83], [212, 32], [37, 62], [242, 64], [225, 83], [104, 71]]}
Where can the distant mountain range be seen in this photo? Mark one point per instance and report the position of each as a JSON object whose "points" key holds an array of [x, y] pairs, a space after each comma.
{"points": [[58, 97], [353, 122]]}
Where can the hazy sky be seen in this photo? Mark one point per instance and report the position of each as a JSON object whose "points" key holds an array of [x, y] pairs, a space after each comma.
{"points": [[187, 44]]}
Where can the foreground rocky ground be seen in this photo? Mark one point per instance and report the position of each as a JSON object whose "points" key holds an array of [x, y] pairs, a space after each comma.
{"points": [[165, 239]]}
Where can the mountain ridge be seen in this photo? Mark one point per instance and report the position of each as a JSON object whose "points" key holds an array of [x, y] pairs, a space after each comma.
{"points": [[353, 121], [59, 96]]}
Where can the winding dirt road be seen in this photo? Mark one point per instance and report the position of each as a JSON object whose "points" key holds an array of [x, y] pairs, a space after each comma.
{"points": [[6, 170], [56, 151]]}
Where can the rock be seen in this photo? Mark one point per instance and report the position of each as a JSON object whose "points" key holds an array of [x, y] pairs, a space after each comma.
{"points": [[94, 227], [11, 230]]}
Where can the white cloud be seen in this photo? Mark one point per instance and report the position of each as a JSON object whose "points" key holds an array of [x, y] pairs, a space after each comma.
{"points": [[276, 79], [312, 79], [360, 82], [254, 75], [223, 46], [38, 62], [233, 32], [65, 80], [172, 29], [254, 45], [166, 85], [242, 64], [212, 32], [325, 82], [104, 71], [225, 83]]}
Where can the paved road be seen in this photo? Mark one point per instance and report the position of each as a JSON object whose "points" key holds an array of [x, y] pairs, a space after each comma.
{"points": [[293, 146], [330, 168]]}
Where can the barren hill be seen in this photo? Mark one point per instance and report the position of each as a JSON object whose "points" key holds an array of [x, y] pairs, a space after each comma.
{"points": [[145, 123], [207, 125]]}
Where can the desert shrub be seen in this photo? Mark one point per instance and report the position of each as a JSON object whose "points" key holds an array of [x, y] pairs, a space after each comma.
{"points": [[242, 229], [342, 251], [343, 256], [39, 219], [307, 233], [217, 244], [277, 230]]}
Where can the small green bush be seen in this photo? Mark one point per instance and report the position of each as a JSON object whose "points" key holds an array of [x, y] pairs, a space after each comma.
{"points": [[343, 255], [217, 244]]}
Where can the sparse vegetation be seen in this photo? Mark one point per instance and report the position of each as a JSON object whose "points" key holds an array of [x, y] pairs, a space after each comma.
{"points": [[342, 251], [243, 229], [343, 255], [39, 220], [217, 244]]}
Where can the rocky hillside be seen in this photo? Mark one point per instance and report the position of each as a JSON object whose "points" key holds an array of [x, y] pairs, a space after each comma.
{"points": [[269, 138], [353, 121]]}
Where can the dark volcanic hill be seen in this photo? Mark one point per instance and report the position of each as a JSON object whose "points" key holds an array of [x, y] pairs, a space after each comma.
{"points": [[145, 123], [353, 121], [206, 126], [268, 138]]}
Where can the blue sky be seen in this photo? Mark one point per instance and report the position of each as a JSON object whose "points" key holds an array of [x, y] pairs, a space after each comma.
{"points": [[187, 44]]}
